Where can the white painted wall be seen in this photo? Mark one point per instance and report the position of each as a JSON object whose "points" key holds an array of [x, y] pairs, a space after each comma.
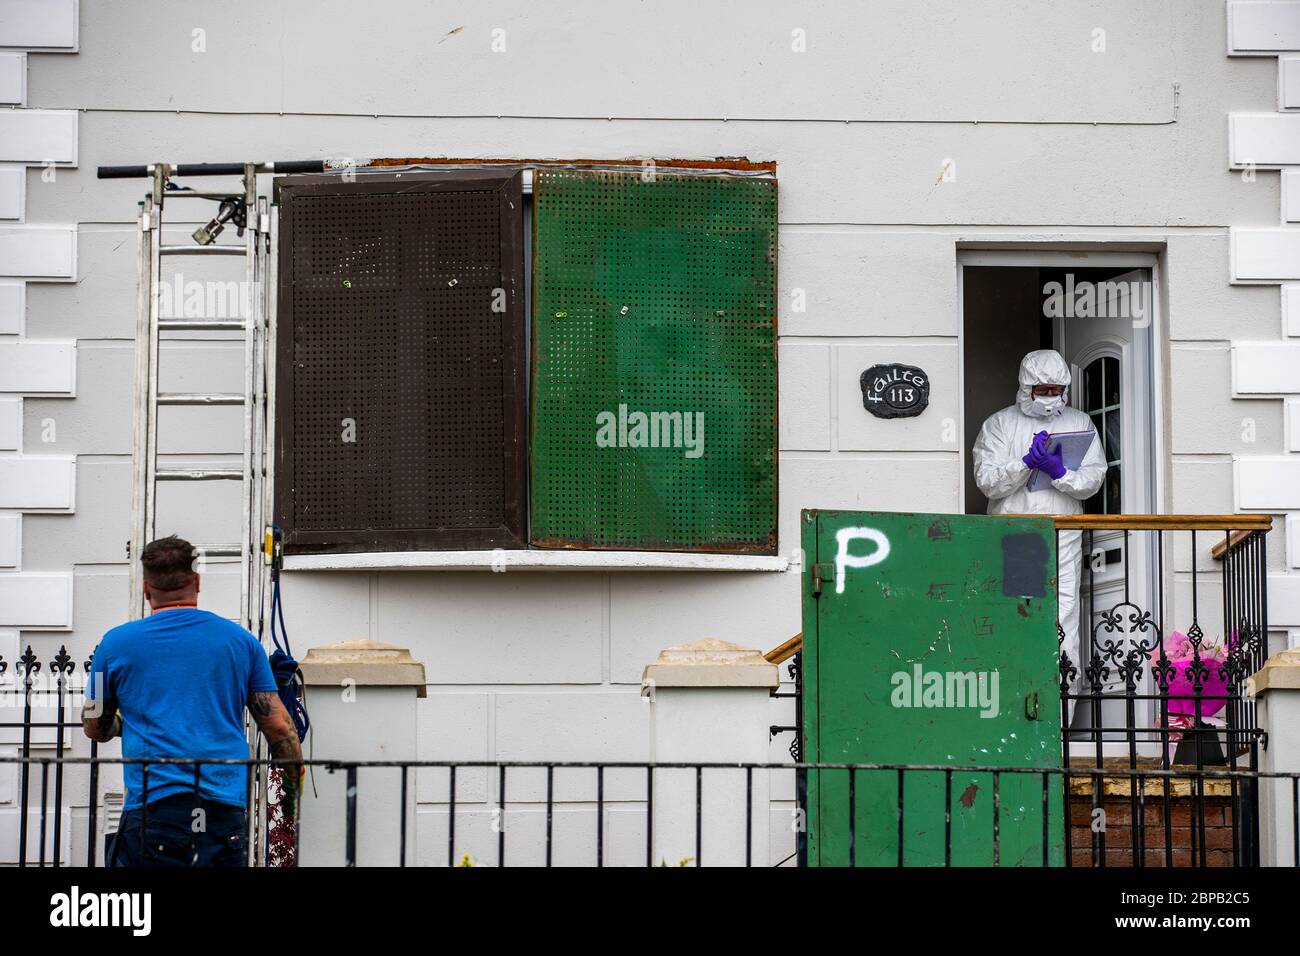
{"points": [[1053, 141]]}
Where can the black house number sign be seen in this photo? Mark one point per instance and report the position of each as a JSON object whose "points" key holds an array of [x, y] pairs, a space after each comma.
{"points": [[895, 391]]}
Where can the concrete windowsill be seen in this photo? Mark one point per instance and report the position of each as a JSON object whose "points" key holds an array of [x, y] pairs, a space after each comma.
{"points": [[534, 560]]}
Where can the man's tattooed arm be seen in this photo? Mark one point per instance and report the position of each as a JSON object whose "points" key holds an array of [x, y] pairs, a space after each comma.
{"points": [[259, 703], [281, 738], [275, 724]]}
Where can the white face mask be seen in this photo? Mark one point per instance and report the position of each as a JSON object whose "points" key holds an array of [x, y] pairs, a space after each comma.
{"points": [[1047, 405]]}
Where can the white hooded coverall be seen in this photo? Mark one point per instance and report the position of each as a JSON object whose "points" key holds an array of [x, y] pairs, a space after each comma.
{"points": [[1003, 476]]}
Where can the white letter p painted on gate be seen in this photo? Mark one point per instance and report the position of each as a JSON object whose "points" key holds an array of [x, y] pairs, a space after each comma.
{"points": [[844, 560]]}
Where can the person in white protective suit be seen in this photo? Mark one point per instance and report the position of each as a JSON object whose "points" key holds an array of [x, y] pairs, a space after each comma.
{"points": [[1011, 447]]}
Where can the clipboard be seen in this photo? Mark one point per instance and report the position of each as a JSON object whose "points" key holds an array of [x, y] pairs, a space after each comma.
{"points": [[1073, 445]]}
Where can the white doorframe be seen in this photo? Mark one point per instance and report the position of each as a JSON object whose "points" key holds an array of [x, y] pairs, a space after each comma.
{"points": [[1157, 467], [1035, 258]]}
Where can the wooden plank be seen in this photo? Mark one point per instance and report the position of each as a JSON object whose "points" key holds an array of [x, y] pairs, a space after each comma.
{"points": [[1231, 542], [1240, 522], [785, 650]]}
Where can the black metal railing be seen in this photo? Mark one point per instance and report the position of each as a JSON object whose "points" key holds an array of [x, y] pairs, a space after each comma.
{"points": [[790, 653], [1148, 686], [30, 691], [1154, 692], [697, 828]]}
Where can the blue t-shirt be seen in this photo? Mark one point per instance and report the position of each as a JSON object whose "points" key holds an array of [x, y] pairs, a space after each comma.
{"points": [[181, 680]]}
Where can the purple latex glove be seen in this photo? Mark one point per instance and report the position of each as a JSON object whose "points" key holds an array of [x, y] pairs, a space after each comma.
{"points": [[1034, 457], [1051, 463]]}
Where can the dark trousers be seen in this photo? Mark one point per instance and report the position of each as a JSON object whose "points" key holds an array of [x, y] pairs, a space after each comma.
{"points": [[182, 830]]}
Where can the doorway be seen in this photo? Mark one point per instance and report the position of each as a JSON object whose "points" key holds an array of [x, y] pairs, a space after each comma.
{"points": [[1097, 311]]}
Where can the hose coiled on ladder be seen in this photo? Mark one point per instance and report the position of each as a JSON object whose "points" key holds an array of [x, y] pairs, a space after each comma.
{"points": [[288, 677]]}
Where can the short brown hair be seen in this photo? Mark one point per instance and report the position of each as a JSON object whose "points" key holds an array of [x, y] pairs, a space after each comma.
{"points": [[168, 563]]}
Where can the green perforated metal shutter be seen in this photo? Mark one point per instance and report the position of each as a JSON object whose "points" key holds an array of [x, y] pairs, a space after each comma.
{"points": [[655, 296]]}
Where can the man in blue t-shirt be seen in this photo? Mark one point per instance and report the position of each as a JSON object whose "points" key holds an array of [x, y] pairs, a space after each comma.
{"points": [[175, 685]]}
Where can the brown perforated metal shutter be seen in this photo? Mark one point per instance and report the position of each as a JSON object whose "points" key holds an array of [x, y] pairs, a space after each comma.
{"points": [[400, 362]]}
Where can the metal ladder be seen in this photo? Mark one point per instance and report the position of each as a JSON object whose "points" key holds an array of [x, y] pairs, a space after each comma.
{"points": [[242, 207]]}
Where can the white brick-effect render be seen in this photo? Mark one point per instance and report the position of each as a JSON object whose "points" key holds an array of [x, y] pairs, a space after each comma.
{"points": [[1268, 483], [45, 368], [37, 482], [50, 25], [1265, 368], [1283, 598], [11, 424], [1266, 140], [1268, 369], [38, 252], [1263, 27], [37, 600], [13, 192], [1291, 310], [1265, 255], [45, 251], [13, 305], [1291, 195], [37, 137], [10, 537], [1288, 83], [13, 79]]}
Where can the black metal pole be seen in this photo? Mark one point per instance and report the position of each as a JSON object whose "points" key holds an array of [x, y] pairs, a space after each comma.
{"points": [[212, 169], [351, 839], [401, 850]]}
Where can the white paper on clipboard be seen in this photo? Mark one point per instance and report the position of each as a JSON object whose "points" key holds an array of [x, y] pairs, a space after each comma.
{"points": [[1073, 445]]}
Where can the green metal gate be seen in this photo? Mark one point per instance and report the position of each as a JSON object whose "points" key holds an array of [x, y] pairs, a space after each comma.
{"points": [[930, 640]]}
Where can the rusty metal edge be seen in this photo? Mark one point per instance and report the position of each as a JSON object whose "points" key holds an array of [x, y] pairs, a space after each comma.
{"points": [[736, 163]]}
